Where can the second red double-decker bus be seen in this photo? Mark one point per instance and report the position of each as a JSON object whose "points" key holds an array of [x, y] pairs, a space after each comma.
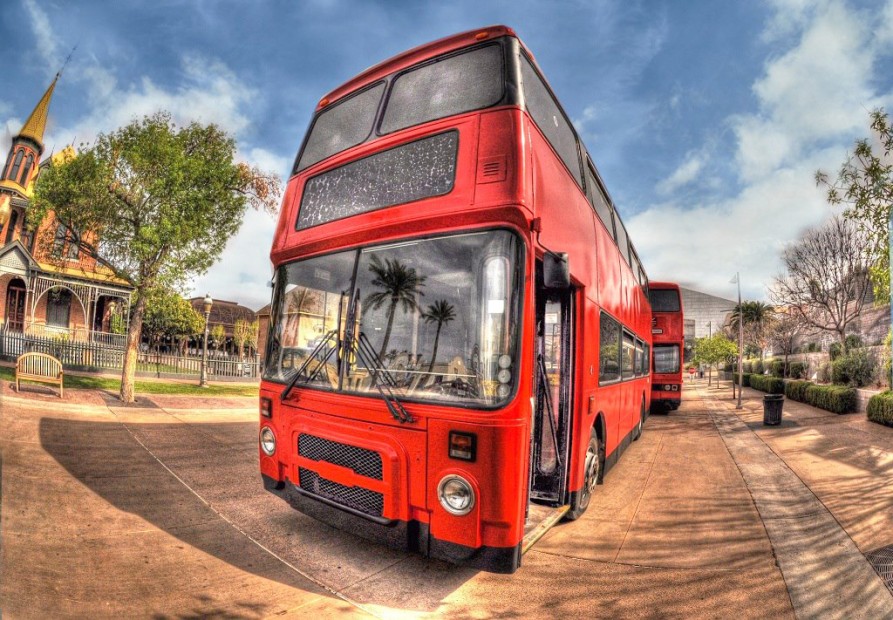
{"points": [[460, 327], [667, 329]]}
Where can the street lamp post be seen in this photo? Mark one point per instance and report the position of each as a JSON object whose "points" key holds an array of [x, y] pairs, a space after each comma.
{"points": [[206, 306], [740, 343]]}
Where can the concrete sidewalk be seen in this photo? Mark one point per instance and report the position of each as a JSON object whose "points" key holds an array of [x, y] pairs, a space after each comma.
{"points": [[822, 484], [157, 511]]}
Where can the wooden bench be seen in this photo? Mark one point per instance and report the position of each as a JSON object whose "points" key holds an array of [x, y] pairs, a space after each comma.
{"points": [[39, 367]]}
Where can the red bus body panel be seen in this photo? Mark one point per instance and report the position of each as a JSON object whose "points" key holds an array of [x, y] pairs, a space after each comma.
{"points": [[668, 328], [415, 456]]}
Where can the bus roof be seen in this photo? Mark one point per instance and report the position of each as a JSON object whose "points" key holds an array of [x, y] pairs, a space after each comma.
{"points": [[411, 57], [663, 285]]}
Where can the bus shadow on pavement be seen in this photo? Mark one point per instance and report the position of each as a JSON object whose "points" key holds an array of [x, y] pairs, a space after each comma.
{"points": [[199, 483]]}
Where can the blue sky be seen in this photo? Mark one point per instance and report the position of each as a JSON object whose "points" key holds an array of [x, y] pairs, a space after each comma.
{"points": [[706, 118]]}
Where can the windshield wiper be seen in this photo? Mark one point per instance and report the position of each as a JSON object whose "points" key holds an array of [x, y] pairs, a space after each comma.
{"points": [[370, 360], [320, 366]]}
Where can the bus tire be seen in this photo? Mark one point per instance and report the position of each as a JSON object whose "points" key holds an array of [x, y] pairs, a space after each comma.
{"points": [[592, 473], [637, 432]]}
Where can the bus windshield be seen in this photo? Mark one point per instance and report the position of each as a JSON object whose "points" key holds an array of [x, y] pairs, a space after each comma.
{"points": [[432, 319]]}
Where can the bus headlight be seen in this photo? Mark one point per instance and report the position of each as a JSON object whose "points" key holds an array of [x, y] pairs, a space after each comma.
{"points": [[267, 441], [456, 495]]}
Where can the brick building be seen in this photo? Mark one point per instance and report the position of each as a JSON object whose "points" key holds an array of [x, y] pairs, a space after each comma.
{"points": [[54, 289]]}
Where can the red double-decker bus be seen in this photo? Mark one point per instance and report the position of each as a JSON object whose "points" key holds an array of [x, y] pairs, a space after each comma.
{"points": [[667, 329], [460, 327]]}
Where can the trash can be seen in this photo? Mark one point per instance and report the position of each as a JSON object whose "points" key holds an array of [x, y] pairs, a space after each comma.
{"points": [[772, 404]]}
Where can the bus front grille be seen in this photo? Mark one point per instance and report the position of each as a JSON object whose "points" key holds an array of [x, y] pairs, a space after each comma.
{"points": [[358, 498], [364, 462]]}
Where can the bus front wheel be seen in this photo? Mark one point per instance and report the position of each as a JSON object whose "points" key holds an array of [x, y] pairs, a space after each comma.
{"points": [[592, 470]]}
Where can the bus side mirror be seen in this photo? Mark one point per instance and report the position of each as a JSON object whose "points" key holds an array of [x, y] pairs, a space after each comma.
{"points": [[556, 271]]}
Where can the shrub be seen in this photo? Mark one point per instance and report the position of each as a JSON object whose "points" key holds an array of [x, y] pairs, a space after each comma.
{"points": [[758, 367], [796, 390], [764, 383], [813, 347], [824, 373], [835, 350], [854, 368], [747, 367], [776, 368], [745, 379], [852, 342], [880, 408], [796, 370], [833, 398]]}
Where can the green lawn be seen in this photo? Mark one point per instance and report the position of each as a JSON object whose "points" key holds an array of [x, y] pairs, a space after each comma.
{"points": [[148, 387]]}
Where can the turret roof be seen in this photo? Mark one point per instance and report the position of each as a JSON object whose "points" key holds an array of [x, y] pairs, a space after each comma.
{"points": [[37, 122]]}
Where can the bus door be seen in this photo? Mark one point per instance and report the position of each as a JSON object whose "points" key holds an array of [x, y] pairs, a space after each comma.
{"points": [[553, 394]]}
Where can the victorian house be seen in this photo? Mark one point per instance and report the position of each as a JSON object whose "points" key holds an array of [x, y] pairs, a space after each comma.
{"points": [[49, 289]]}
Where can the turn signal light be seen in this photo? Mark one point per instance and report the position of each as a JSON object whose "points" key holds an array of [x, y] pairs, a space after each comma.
{"points": [[463, 446], [266, 407], [482, 35]]}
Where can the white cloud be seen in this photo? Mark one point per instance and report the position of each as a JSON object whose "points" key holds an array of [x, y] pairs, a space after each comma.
{"points": [[208, 92], [45, 38], [818, 90], [813, 100], [885, 25], [703, 245], [268, 161], [683, 175], [244, 268]]}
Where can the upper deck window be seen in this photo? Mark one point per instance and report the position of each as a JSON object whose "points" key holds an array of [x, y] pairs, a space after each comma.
{"points": [[406, 173], [664, 300], [548, 116], [451, 85], [598, 200], [345, 124]]}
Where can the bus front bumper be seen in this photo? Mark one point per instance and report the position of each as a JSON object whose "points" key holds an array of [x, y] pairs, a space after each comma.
{"points": [[411, 536]]}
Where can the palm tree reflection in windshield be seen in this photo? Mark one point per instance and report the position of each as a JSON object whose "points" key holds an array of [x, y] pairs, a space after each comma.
{"points": [[399, 284]]}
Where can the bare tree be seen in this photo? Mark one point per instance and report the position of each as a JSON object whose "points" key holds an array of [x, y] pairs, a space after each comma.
{"points": [[786, 328], [827, 276]]}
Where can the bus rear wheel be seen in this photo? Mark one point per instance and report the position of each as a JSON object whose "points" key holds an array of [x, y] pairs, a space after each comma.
{"points": [[638, 430], [592, 470]]}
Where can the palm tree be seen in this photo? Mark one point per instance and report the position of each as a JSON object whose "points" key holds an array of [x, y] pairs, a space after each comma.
{"points": [[756, 319], [399, 284], [440, 312]]}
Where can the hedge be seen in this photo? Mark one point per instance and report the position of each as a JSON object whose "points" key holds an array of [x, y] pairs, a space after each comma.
{"points": [[880, 408], [745, 378], [796, 370], [833, 398], [766, 383], [796, 390]]}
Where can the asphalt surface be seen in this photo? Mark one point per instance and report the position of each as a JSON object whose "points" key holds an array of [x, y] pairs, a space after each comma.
{"points": [[158, 511]]}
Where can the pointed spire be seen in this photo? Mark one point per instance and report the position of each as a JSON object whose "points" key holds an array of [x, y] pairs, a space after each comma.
{"points": [[37, 122]]}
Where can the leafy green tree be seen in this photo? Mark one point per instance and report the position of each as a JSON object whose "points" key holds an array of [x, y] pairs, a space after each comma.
{"points": [[217, 334], [169, 315], [864, 185], [241, 330], [441, 312], [251, 339], [159, 203], [757, 323], [714, 351], [399, 284]]}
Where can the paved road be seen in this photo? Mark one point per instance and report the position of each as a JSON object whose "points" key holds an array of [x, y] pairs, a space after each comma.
{"points": [[158, 512]]}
